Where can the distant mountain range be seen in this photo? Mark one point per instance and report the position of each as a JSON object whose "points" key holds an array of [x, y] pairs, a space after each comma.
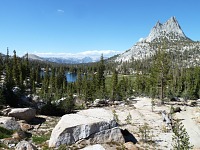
{"points": [[62, 60], [169, 35]]}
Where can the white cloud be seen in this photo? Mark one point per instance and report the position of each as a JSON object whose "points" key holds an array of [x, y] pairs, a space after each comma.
{"points": [[60, 11], [94, 54]]}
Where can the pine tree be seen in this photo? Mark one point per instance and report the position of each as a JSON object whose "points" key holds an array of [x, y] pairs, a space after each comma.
{"points": [[15, 69], [114, 84], [160, 70], [1, 64], [7, 55], [52, 80], [9, 76], [101, 77], [37, 74], [79, 82], [32, 81], [2, 97], [45, 84], [27, 67], [181, 137], [61, 82]]}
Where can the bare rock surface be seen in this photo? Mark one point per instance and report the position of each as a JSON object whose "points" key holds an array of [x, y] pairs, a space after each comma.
{"points": [[142, 114], [22, 113], [108, 135], [9, 123], [24, 145], [130, 146], [74, 127], [94, 147]]}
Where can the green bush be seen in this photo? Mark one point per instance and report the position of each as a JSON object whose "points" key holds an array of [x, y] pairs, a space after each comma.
{"points": [[181, 139], [5, 133], [64, 107], [41, 139]]}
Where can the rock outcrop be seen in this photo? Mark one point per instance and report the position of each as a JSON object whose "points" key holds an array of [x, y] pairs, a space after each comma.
{"points": [[96, 125], [24, 145], [170, 27], [169, 32], [108, 135], [130, 146], [23, 113], [9, 123], [100, 103], [94, 147]]}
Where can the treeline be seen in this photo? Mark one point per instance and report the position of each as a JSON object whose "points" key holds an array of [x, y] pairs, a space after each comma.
{"points": [[165, 75], [22, 77], [162, 75]]}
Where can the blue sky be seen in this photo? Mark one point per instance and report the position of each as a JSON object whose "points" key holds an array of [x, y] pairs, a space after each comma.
{"points": [[88, 27]]}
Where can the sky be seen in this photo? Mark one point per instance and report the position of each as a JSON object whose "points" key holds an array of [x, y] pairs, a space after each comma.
{"points": [[64, 28]]}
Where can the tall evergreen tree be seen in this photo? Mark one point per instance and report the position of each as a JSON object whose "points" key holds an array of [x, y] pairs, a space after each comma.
{"points": [[2, 97], [1, 64], [79, 82], [45, 84], [9, 76], [114, 85], [160, 70], [15, 69], [101, 77]]}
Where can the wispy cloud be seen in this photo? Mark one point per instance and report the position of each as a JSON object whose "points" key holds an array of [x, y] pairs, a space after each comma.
{"points": [[60, 11], [94, 54]]}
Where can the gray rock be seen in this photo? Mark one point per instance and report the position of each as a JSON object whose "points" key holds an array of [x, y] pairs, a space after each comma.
{"points": [[177, 109], [118, 102], [11, 145], [192, 103], [24, 145], [85, 124], [6, 111], [36, 98], [100, 103], [9, 123], [26, 127], [107, 136], [94, 147], [130, 146], [23, 113], [16, 90], [20, 135]]}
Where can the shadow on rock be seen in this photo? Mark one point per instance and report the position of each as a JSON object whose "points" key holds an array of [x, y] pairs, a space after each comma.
{"points": [[37, 120], [128, 137]]}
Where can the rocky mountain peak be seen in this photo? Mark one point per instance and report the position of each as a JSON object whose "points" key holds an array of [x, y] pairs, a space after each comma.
{"points": [[158, 24], [171, 33], [170, 29]]}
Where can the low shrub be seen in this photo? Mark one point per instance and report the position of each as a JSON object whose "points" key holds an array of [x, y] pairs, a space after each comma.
{"points": [[5, 133]]}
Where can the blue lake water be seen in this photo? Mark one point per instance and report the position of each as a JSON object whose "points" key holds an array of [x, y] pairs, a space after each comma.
{"points": [[71, 77]]}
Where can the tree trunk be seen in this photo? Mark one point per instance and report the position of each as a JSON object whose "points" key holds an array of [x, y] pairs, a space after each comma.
{"points": [[162, 91]]}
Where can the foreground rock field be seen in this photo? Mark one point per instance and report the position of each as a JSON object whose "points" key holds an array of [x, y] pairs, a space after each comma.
{"points": [[113, 127]]}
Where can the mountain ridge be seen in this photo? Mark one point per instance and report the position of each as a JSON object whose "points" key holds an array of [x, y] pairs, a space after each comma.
{"points": [[169, 34], [62, 60]]}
